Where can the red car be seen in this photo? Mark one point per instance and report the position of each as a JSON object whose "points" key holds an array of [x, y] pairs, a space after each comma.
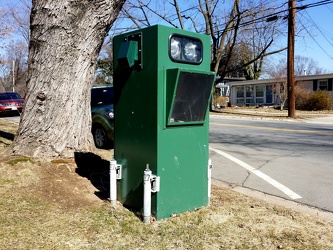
{"points": [[10, 103]]}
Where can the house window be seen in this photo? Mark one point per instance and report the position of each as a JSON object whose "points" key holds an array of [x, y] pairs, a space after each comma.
{"points": [[249, 94], [240, 92], [260, 94], [240, 101], [323, 85], [240, 95]]}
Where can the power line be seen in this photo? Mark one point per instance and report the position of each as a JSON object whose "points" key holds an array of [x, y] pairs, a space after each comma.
{"points": [[329, 8], [317, 42], [311, 5], [276, 15], [321, 32]]}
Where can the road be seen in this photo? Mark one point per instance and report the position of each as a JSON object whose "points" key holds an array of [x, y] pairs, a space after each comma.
{"points": [[14, 118], [288, 159]]}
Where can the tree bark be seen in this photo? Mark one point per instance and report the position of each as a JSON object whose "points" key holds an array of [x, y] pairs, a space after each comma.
{"points": [[66, 37]]}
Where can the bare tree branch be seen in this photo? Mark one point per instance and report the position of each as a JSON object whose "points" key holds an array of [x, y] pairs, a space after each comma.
{"points": [[175, 4], [219, 54]]}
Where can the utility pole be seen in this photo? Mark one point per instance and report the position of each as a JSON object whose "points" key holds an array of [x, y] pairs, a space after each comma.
{"points": [[290, 60], [13, 75]]}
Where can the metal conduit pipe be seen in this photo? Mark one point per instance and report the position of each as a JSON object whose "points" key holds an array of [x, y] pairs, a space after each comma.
{"points": [[210, 166], [147, 194], [113, 182]]}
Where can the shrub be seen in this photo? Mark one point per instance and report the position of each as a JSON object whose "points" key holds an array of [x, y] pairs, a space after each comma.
{"points": [[321, 100], [312, 100], [302, 98]]}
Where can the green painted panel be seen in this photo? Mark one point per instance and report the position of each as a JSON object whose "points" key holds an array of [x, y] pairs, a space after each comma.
{"points": [[144, 100]]}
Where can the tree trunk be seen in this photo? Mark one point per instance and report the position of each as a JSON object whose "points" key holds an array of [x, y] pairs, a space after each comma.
{"points": [[66, 37]]}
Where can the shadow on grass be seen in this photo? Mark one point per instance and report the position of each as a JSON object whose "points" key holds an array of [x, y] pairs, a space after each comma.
{"points": [[95, 169], [6, 135]]}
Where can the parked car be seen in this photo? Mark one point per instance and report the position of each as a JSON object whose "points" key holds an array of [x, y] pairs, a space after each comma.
{"points": [[102, 115], [10, 103]]}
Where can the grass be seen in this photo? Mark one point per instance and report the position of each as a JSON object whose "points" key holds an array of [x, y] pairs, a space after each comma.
{"points": [[52, 205], [271, 112]]}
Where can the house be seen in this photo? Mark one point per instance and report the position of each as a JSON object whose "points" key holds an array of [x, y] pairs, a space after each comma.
{"points": [[272, 91]]}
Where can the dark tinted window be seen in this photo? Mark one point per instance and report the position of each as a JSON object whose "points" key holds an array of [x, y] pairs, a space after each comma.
{"points": [[101, 96], [9, 96], [191, 100]]}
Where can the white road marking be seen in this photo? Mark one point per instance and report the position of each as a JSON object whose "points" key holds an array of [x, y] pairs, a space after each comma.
{"points": [[260, 174]]}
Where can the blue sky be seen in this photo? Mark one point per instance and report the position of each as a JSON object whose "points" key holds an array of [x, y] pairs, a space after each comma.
{"points": [[316, 40], [319, 41]]}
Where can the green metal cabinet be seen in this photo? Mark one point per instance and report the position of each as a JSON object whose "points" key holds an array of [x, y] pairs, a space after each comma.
{"points": [[161, 117]]}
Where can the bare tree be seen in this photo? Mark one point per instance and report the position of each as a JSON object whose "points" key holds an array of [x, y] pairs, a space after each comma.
{"points": [[20, 19], [232, 25], [5, 32], [303, 65], [306, 66], [255, 37], [5, 29], [15, 47], [279, 72], [14, 20], [15, 62], [66, 38]]}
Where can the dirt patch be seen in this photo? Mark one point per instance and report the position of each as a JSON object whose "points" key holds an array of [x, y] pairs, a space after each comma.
{"points": [[60, 183], [76, 183]]}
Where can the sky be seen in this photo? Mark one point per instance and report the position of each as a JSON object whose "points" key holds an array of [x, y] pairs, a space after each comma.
{"points": [[316, 40], [316, 37], [319, 41]]}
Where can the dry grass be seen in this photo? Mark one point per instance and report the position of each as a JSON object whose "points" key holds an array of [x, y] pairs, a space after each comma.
{"points": [[57, 205], [269, 112]]}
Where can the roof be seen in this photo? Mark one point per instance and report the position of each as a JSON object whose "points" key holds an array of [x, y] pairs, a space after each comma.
{"points": [[275, 80]]}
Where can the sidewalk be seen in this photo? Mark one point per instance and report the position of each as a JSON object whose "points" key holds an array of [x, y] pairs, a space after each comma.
{"points": [[326, 120]]}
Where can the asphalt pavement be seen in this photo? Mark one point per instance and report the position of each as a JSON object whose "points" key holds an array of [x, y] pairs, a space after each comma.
{"points": [[320, 118]]}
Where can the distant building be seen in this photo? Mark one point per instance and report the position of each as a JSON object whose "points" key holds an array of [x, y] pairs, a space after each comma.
{"points": [[270, 91]]}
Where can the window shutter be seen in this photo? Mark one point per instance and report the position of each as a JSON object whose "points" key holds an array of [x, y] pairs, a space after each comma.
{"points": [[329, 84], [315, 85]]}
